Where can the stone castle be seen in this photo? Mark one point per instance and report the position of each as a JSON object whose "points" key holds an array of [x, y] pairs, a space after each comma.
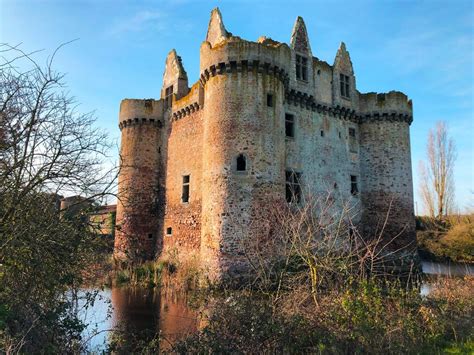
{"points": [[266, 121]]}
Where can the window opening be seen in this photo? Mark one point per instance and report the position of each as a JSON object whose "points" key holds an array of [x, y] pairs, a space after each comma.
{"points": [[354, 187], [293, 187], [301, 67], [289, 125], [168, 96], [185, 194], [169, 231], [344, 84], [269, 100], [241, 163]]}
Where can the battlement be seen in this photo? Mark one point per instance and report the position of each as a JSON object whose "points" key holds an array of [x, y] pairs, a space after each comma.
{"points": [[394, 105], [139, 112], [237, 55], [192, 102]]}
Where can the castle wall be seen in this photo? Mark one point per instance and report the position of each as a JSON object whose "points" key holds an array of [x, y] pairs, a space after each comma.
{"points": [[322, 153], [184, 159], [322, 77]]}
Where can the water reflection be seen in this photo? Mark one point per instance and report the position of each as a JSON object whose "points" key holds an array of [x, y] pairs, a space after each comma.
{"points": [[447, 268], [140, 314]]}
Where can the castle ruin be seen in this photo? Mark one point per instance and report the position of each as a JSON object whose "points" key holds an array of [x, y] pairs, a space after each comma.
{"points": [[265, 122]]}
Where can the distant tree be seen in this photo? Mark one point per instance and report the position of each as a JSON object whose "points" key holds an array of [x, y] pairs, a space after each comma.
{"points": [[436, 176], [47, 148]]}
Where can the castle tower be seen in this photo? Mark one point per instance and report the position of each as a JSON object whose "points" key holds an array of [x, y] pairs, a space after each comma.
{"points": [[386, 178], [137, 220], [243, 128]]}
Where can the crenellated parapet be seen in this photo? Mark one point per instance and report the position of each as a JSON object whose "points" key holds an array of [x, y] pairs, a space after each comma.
{"points": [[242, 66], [186, 111], [189, 104], [393, 106], [140, 121], [135, 112], [305, 101]]}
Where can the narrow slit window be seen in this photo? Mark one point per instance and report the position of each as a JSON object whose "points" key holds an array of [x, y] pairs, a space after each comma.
{"points": [[269, 100], [169, 96], [169, 231], [289, 125], [241, 163], [304, 68], [293, 187], [185, 194], [354, 187], [322, 133]]}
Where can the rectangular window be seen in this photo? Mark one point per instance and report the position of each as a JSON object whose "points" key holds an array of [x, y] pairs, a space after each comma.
{"points": [[169, 231], [293, 187], [269, 100], [322, 133], [168, 96], [352, 140], [354, 187], [289, 125], [301, 68], [185, 195], [344, 83]]}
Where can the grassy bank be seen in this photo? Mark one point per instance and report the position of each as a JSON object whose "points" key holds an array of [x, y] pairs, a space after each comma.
{"points": [[165, 273], [451, 239]]}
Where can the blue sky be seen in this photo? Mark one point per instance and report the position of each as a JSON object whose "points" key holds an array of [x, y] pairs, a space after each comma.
{"points": [[423, 48]]}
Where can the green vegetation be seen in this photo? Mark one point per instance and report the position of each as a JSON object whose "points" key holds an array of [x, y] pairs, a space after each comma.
{"points": [[167, 272], [452, 239], [362, 317]]}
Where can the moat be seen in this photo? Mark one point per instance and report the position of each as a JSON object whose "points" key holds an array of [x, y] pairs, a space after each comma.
{"points": [[142, 312]]}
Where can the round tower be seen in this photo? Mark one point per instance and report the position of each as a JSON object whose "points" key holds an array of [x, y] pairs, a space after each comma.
{"points": [[386, 177], [137, 206], [243, 171]]}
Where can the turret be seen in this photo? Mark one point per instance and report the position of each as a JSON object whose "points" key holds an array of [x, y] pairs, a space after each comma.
{"points": [[386, 178], [138, 204], [243, 131]]}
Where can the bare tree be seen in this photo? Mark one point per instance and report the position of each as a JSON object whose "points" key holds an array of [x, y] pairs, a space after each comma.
{"points": [[47, 149], [436, 177]]}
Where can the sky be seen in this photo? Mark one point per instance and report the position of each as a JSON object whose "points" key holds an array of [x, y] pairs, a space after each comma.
{"points": [[423, 48]]}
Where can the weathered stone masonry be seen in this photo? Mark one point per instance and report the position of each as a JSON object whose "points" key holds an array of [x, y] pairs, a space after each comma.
{"points": [[199, 162]]}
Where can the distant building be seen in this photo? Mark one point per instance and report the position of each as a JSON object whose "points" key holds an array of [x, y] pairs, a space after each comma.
{"points": [[102, 220], [265, 123]]}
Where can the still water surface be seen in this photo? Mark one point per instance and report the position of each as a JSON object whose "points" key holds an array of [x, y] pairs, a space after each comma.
{"points": [[147, 312], [141, 313]]}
